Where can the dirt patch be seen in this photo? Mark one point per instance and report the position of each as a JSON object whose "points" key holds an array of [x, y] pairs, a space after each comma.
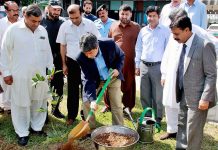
{"points": [[114, 139], [7, 146]]}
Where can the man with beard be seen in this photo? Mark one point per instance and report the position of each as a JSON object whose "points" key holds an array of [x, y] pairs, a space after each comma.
{"points": [[25, 52], [125, 32], [52, 22], [12, 11], [87, 8]]}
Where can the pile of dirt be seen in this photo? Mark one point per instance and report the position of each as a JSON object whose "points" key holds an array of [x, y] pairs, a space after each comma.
{"points": [[114, 139]]}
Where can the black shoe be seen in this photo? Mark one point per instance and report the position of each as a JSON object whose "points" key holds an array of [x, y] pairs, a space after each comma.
{"points": [[168, 136], [82, 115], [39, 133], [1, 110], [58, 114], [22, 141]]}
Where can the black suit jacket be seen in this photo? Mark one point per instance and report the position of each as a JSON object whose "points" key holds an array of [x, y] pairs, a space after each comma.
{"points": [[113, 57]]}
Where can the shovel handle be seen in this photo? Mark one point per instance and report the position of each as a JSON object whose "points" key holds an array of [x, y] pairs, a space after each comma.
{"points": [[91, 112]]}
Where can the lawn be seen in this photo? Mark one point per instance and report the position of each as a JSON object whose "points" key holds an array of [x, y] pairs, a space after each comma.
{"points": [[57, 133]]}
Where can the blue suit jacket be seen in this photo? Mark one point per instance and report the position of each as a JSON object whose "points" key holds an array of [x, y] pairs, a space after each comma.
{"points": [[113, 57]]}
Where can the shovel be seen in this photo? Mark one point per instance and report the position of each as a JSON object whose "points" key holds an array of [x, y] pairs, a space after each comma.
{"points": [[83, 128], [127, 111]]}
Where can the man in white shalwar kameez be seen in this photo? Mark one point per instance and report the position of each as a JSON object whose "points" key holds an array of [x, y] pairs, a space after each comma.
{"points": [[169, 67], [12, 11], [171, 107], [25, 52]]}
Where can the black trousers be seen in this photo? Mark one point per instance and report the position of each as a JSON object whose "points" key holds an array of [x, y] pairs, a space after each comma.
{"points": [[58, 81], [73, 82]]}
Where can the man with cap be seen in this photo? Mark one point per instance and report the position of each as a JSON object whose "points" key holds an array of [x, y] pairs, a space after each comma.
{"points": [[87, 8], [52, 22], [95, 60], [103, 23]]}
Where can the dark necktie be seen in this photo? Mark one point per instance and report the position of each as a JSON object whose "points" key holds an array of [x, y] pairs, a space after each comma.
{"points": [[181, 67]]}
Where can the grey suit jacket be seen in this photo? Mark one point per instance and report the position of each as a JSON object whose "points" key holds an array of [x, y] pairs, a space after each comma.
{"points": [[200, 73]]}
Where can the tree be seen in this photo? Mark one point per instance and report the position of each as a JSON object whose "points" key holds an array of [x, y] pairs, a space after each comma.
{"points": [[26, 2]]}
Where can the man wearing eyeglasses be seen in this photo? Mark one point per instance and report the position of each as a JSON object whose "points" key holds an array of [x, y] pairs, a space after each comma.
{"points": [[12, 11]]}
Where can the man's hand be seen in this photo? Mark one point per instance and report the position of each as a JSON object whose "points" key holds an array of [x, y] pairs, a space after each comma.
{"points": [[137, 71], [114, 73], [203, 105], [162, 82], [65, 70], [93, 105], [8, 80]]}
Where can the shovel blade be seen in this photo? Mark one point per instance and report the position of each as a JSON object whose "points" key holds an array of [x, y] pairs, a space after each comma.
{"points": [[79, 131]]}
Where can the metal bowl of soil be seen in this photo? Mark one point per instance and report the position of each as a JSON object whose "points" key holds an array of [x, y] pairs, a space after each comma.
{"points": [[114, 137]]}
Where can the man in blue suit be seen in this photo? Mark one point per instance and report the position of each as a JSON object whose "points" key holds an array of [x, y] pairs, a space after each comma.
{"points": [[95, 60]]}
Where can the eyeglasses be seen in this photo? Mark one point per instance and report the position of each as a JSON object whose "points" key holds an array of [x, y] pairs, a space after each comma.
{"points": [[12, 10]]}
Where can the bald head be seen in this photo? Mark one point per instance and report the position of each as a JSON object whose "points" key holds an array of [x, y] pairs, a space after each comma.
{"points": [[75, 14], [74, 8]]}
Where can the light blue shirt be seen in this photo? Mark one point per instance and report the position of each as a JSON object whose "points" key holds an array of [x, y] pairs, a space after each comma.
{"points": [[103, 28], [197, 12], [151, 44], [102, 68]]}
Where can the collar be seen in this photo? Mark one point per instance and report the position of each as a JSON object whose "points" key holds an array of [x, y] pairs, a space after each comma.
{"points": [[171, 5], [119, 23], [188, 43], [23, 25], [81, 23], [108, 20], [194, 4], [157, 27]]}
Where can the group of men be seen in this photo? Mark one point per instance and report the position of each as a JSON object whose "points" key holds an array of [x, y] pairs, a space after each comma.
{"points": [[177, 67]]}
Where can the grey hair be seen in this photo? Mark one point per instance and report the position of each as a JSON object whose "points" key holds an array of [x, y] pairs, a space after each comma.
{"points": [[177, 13], [88, 42], [33, 10]]}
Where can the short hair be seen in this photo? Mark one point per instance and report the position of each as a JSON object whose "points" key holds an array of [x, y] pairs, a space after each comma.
{"points": [[33, 10], [177, 13], [153, 9], [88, 42], [182, 23], [8, 3], [125, 7], [87, 2]]}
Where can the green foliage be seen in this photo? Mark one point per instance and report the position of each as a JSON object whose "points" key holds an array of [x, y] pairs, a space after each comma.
{"points": [[27, 2], [57, 133]]}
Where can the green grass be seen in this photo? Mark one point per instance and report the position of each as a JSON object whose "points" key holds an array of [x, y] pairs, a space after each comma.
{"points": [[57, 133]]}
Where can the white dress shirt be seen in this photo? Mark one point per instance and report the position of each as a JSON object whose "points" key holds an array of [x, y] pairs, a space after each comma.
{"points": [[151, 43], [70, 34]]}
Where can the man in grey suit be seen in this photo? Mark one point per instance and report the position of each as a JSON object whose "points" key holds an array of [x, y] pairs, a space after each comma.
{"points": [[195, 83]]}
